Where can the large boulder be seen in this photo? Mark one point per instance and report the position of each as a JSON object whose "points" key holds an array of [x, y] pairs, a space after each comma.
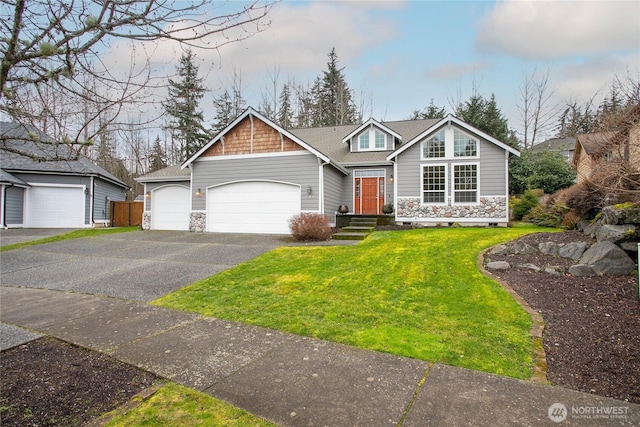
{"points": [[498, 265], [520, 247], [549, 248], [608, 259], [582, 270], [615, 233], [573, 250]]}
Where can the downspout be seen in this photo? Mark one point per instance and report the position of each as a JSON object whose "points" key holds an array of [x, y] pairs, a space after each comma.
{"points": [[91, 192], [321, 185], [3, 207], [395, 190]]}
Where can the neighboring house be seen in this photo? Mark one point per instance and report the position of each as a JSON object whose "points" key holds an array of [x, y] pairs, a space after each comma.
{"points": [[255, 175], [622, 145], [43, 191], [565, 146]]}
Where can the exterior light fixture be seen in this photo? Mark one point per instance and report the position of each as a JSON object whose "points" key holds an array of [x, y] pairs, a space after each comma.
{"points": [[391, 178], [198, 192], [148, 194], [309, 190]]}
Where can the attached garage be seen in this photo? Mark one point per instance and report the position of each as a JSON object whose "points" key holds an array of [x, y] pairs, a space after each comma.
{"points": [[54, 207], [252, 207], [170, 208]]}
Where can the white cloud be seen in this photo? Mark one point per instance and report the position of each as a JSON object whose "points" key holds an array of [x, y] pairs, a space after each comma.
{"points": [[593, 78], [550, 29], [297, 42]]}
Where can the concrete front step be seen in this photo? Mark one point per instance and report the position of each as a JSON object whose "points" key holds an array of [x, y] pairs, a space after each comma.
{"points": [[349, 236], [359, 229]]}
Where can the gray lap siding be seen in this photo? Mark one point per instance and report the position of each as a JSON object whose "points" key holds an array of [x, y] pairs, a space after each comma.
{"points": [[492, 160], [103, 193], [333, 180], [301, 169]]}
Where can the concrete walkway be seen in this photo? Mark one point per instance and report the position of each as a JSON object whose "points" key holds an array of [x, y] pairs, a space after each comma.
{"points": [[300, 381]]}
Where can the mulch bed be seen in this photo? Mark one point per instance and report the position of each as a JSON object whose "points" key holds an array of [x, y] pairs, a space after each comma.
{"points": [[592, 324], [51, 383], [591, 340]]}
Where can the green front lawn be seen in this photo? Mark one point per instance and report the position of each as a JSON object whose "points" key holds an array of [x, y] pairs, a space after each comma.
{"points": [[414, 293]]}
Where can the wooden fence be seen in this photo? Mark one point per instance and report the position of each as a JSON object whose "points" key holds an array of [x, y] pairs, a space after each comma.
{"points": [[124, 214]]}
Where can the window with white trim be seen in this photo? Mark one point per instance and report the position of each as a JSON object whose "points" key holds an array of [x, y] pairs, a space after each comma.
{"points": [[449, 143], [434, 184], [434, 147], [372, 140], [465, 183], [464, 145]]}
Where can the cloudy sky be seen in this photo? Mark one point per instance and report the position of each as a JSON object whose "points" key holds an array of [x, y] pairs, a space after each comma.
{"points": [[398, 55]]}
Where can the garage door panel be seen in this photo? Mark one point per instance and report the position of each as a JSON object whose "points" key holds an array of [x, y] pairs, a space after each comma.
{"points": [[55, 207], [252, 207], [170, 208]]}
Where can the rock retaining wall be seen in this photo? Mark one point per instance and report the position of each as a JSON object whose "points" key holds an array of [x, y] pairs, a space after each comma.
{"points": [[488, 208], [198, 222]]}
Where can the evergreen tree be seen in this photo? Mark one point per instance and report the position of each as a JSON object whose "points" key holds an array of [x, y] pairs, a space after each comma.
{"points": [[575, 120], [186, 123], [487, 116], [430, 112], [285, 113], [229, 104], [158, 158], [334, 101]]}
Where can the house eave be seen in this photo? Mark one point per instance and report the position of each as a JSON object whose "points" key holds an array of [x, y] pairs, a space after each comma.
{"points": [[86, 174]]}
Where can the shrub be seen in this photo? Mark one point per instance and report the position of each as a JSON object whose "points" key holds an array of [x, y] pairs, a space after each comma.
{"points": [[584, 201], [310, 226], [549, 215], [570, 220], [525, 204]]}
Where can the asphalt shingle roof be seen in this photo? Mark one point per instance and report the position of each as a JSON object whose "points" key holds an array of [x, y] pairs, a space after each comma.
{"points": [[556, 144], [171, 173], [45, 154], [328, 140]]}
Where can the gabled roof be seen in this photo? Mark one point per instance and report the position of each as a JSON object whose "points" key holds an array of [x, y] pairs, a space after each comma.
{"points": [[170, 173], [46, 155], [448, 120], [251, 112], [592, 143], [371, 122], [556, 144], [329, 140]]}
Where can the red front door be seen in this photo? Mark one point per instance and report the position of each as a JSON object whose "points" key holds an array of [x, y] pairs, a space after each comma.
{"points": [[369, 196]]}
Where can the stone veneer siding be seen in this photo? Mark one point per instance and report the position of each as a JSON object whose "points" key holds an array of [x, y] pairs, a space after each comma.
{"points": [[146, 220], [488, 208], [198, 222]]}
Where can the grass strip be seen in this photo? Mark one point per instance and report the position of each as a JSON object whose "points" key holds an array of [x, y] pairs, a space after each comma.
{"points": [[76, 234]]}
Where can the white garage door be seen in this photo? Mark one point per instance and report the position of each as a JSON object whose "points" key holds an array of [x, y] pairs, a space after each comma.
{"points": [[252, 207], [170, 208], [54, 207]]}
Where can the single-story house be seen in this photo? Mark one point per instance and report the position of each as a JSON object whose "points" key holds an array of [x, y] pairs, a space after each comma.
{"points": [[255, 175], [46, 185], [564, 146]]}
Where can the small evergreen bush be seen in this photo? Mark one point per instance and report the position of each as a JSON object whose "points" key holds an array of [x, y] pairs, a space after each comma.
{"points": [[550, 215], [522, 207], [310, 226]]}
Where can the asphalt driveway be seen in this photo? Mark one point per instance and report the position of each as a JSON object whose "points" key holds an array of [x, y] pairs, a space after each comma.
{"points": [[139, 265]]}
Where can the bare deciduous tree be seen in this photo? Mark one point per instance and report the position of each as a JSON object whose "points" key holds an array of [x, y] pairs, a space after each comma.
{"points": [[54, 47], [537, 108]]}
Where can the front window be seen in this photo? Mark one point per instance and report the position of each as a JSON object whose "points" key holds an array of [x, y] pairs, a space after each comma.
{"points": [[380, 139], [465, 183], [434, 146], [372, 140], [434, 184], [363, 141], [464, 145]]}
